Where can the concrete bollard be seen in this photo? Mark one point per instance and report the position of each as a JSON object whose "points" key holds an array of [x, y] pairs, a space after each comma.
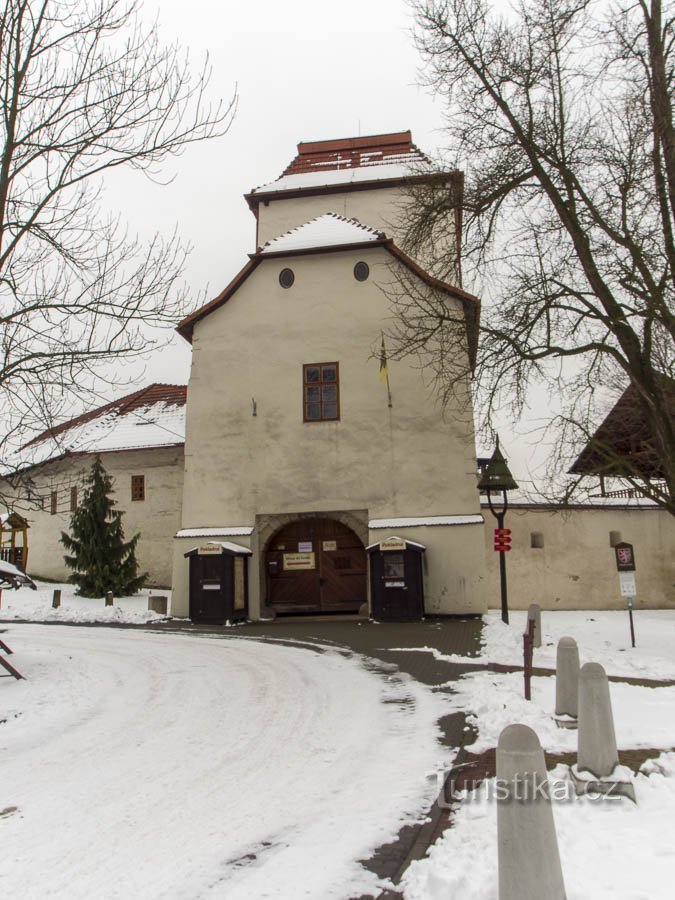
{"points": [[529, 861], [597, 770], [567, 683], [534, 612], [109, 598], [56, 599]]}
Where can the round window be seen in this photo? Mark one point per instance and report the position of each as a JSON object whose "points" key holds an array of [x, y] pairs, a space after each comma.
{"points": [[286, 278], [361, 271]]}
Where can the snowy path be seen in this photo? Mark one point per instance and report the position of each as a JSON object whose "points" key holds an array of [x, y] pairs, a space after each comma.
{"points": [[171, 766]]}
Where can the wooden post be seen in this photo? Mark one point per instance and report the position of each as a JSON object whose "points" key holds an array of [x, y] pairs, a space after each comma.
{"points": [[528, 645], [56, 599], [10, 668], [109, 598]]}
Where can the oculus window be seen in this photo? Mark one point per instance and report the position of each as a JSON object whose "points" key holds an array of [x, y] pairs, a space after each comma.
{"points": [[320, 392]]}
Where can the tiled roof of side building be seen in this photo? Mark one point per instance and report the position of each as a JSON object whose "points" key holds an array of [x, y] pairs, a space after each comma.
{"points": [[150, 418], [168, 394]]}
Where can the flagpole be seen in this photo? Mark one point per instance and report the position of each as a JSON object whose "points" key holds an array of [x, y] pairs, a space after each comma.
{"points": [[384, 370]]}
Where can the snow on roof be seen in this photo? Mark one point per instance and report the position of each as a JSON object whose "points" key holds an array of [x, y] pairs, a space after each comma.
{"points": [[227, 531], [395, 537], [350, 160], [518, 499], [327, 230], [151, 417], [412, 521]]}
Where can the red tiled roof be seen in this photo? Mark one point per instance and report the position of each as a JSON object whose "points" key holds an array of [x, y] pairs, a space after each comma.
{"points": [[352, 153], [171, 394]]}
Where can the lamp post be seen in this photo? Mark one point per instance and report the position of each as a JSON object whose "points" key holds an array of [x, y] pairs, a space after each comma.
{"points": [[498, 479]]}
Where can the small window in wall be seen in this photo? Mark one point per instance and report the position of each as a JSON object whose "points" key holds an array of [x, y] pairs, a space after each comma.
{"points": [[54, 503], [138, 487], [320, 392], [537, 540], [73, 499], [614, 538]]}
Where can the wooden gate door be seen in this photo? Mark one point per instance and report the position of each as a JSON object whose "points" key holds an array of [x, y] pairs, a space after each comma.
{"points": [[315, 566], [207, 588]]}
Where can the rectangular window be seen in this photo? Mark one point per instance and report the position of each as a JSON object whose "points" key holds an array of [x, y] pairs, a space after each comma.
{"points": [[320, 392], [138, 487], [73, 499], [54, 502]]}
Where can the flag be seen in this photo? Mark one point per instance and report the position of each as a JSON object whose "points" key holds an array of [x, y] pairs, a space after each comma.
{"points": [[384, 372]]}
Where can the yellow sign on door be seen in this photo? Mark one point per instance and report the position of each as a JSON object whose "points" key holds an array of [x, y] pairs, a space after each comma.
{"points": [[298, 561]]}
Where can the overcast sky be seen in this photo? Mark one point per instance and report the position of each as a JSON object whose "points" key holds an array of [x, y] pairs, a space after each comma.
{"points": [[303, 70]]}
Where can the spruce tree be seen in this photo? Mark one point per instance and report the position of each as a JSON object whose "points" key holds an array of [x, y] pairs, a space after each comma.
{"points": [[101, 559]]}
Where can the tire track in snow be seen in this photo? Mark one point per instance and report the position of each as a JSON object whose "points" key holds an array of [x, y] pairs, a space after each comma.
{"points": [[173, 766]]}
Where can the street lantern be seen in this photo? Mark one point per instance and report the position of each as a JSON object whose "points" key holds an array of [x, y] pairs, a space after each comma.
{"points": [[497, 479]]}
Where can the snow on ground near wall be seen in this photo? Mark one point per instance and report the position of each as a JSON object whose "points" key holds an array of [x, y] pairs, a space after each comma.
{"points": [[643, 717], [175, 766], [609, 849], [36, 606], [602, 637]]}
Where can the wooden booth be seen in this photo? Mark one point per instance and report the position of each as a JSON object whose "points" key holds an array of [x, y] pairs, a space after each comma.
{"points": [[396, 579], [218, 582], [14, 539]]}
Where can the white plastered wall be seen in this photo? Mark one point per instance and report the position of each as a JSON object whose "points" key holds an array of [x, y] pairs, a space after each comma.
{"points": [[411, 460], [382, 209], [156, 518], [576, 567]]}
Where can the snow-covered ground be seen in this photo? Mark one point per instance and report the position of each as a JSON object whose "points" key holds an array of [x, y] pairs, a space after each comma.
{"points": [[610, 850], [144, 765], [603, 637], [36, 606]]}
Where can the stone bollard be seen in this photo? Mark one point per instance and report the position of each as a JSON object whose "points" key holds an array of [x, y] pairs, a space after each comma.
{"points": [[56, 599], [529, 861], [567, 683], [534, 612], [597, 770], [109, 598]]}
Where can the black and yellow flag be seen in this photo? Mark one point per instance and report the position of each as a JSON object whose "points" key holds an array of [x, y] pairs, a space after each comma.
{"points": [[384, 371]]}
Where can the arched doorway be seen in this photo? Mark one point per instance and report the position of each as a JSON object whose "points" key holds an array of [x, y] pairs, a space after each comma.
{"points": [[315, 565]]}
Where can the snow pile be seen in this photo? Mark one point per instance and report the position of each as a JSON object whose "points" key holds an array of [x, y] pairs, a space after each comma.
{"points": [[175, 766], [36, 606], [609, 849]]}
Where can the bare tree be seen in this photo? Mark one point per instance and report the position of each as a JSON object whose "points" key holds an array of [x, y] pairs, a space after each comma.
{"points": [[561, 113], [86, 88]]}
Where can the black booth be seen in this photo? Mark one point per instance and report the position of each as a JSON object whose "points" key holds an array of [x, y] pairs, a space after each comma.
{"points": [[396, 580], [218, 582]]}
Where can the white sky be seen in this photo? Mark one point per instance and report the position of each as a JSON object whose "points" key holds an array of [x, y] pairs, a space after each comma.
{"points": [[304, 71]]}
